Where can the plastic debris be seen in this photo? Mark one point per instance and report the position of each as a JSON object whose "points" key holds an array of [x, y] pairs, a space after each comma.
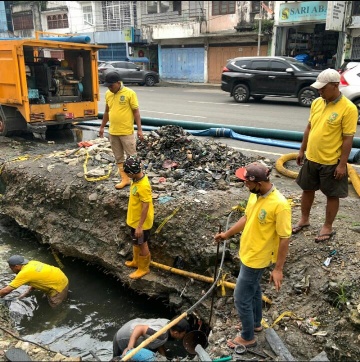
{"points": [[328, 259], [309, 325]]}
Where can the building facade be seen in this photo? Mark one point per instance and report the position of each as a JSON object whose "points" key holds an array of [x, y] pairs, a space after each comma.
{"points": [[191, 41], [194, 39], [316, 29]]}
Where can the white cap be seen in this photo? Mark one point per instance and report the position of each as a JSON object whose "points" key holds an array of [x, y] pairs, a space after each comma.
{"points": [[326, 76]]}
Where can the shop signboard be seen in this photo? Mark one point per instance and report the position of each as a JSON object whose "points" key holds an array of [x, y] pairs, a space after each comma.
{"points": [[304, 11], [112, 36], [335, 15]]}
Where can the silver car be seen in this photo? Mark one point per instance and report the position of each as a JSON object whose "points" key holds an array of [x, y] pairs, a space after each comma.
{"points": [[129, 72], [350, 84]]}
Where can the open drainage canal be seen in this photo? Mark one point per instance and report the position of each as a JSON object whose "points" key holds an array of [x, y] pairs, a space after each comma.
{"points": [[97, 305]]}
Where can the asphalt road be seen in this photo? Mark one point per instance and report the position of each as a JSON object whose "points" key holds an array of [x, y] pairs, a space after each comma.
{"points": [[209, 104]]}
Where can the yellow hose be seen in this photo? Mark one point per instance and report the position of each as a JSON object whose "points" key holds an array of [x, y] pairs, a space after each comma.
{"points": [[202, 278], [279, 165], [354, 178]]}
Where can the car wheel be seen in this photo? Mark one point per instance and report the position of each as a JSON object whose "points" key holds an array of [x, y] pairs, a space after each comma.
{"points": [[241, 93], [357, 104], [258, 98], [306, 96], [150, 81]]}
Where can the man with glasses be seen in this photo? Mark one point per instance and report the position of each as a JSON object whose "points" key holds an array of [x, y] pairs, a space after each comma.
{"points": [[327, 143]]}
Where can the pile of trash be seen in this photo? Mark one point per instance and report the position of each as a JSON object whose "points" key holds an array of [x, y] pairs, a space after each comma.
{"points": [[178, 157], [173, 159]]}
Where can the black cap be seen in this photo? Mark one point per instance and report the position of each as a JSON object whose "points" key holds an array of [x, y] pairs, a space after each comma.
{"points": [[132, 165], [111, 78]]}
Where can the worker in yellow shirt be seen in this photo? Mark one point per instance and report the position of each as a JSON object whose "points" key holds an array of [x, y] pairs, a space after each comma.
{"points": [[121, 110], [47, 278], [266, 231], [324, 152]]}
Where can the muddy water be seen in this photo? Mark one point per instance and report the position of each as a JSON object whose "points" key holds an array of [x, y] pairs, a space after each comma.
{"points": [[97, 305]]}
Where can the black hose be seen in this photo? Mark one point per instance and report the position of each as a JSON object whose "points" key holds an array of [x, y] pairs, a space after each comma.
{"points": [[218, 276]]}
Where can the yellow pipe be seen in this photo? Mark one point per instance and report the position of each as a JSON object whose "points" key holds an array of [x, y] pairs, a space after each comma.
{"points": [[200, 277], [153, 337], [279, 165], [354, 177]]}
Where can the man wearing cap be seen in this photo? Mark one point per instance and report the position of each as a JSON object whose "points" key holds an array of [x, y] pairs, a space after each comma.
{"points": [[140, 217], [122, 109], [266, 230], [327, 143], [47, 278]]}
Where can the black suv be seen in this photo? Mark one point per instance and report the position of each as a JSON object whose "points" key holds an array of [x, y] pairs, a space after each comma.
{"points": [[258, 77]]}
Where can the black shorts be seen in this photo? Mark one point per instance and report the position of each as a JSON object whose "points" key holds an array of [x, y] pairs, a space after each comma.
{"points": [[143, 239], [315, 176]]}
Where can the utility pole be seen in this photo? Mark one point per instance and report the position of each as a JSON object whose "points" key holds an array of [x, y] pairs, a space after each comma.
{"points": [[259, 32]]}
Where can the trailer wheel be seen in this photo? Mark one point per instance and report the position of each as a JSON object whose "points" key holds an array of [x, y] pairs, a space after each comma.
{"points": [[3, 128], [11, 121]]}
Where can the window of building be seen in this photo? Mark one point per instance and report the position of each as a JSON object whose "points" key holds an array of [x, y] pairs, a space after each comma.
{"points": [[88, 15], [255, 6], [23, 21], [59, 21], [151, 7], [355, 8], [117, 14], [223, 7], [177, 6]]}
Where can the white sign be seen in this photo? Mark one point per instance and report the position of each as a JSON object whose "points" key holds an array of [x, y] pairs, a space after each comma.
{"points": [[335, 15]]}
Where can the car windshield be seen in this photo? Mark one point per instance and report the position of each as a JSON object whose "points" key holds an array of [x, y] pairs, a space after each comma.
{"points": [[300, 65]]}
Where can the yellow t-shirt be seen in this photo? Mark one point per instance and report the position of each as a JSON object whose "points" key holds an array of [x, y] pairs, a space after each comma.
{"points": [[329, 123], [121, 106], [268, 220], [140, 191], [45, 277]]}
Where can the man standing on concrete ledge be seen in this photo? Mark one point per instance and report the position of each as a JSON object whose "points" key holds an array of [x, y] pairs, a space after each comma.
{"points": [[47, 278], [140, 217], [122, 109]]}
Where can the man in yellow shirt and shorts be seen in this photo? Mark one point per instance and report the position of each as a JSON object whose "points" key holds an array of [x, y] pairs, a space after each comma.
{"points": [[122, 109], [327, 143], [47, 278], [140, 217]]}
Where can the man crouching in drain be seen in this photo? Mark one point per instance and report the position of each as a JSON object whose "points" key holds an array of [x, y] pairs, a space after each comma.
{"points": [[134, 332]]}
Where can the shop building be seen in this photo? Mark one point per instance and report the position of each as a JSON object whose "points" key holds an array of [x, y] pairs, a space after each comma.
{"points": [[194, 39], [311, 30]]}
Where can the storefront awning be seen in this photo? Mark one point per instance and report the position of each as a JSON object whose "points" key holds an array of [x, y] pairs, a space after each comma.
{"points": [[138, 59]]}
